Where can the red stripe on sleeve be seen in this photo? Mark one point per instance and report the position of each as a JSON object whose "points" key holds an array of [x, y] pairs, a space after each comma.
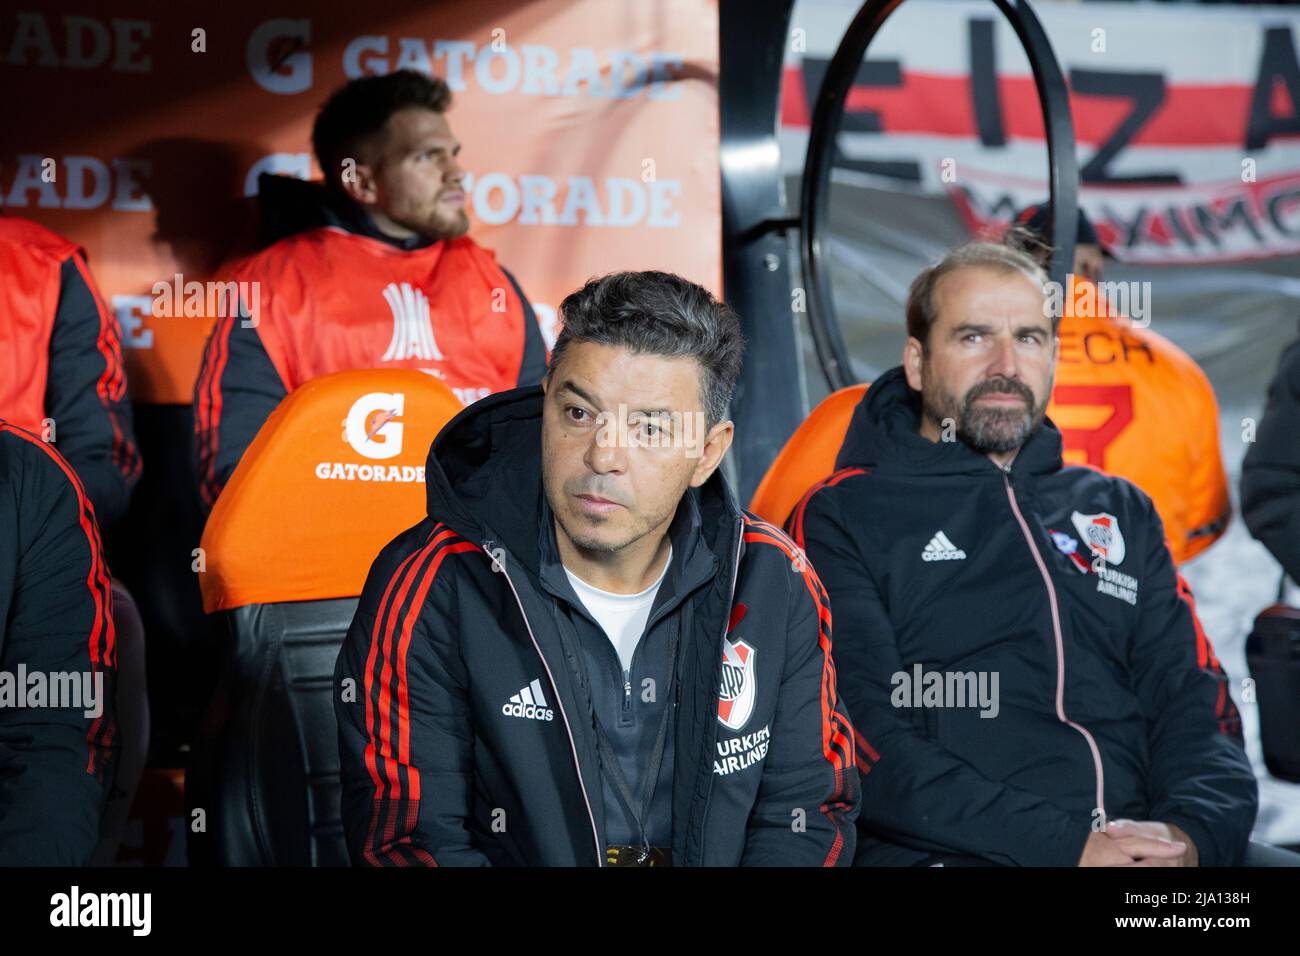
{"points": [[838, 746], [111, 385], [403, 687], [207, 422], [1204, 650], [1224, 709], [386, 722], [101, 641], [796, 530], [381, 787], [393, 769]]}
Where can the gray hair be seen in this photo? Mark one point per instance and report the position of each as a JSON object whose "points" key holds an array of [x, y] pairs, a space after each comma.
{"points": [[658, 313]]}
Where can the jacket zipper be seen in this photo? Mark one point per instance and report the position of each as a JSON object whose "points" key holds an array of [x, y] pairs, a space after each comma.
{"points": [[1060, 644], [731, 597], [627, 693], [559, 703]]}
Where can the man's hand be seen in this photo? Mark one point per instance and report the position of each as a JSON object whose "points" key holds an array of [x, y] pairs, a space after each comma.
{"points": [[1154, 829], [1127, 848]]}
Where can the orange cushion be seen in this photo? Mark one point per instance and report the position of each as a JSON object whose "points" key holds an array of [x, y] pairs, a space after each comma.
{"points": [[808, 457], [336, 472]]}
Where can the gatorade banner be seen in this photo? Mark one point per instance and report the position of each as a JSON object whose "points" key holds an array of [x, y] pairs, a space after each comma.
{"points": [[1187, 119], [589, 130]]}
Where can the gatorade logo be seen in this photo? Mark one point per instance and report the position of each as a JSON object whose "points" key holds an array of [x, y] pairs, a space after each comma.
{"points": [[371, 427]]}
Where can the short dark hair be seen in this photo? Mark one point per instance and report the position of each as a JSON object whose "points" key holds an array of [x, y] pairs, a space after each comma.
{"points": [[359, 110], [921, 311], [1031, 230], [658, 313]]}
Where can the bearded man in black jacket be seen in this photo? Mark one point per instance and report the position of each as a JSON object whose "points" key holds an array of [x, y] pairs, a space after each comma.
{"points": [[1023, 661]]}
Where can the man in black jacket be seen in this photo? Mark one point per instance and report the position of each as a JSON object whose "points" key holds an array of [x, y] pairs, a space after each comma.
{"points": [[57, 659], [587, 654], [1270, 474], [1024, 662]]}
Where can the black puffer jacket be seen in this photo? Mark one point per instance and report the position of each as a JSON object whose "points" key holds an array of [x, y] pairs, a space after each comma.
{"points": [[450, 757], [1055, 581], [58, 662]]}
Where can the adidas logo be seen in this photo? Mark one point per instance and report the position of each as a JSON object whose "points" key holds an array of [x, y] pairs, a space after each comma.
{"points": [[941, 549], [529, 703]]}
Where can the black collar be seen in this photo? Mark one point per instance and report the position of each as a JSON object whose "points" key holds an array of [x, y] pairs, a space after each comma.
{"points": [[347, 215]]}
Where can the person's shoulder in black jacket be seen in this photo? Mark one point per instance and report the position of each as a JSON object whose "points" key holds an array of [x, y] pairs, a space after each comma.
{"points": [[57, 659], [1270, 474]]}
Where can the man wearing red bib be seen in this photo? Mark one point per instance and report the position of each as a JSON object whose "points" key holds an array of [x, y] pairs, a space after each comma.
{"points": [[383, 277]]}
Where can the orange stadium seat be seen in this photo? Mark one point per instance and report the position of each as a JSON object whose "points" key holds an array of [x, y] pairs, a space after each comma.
{"points": [[1131, 403], [335, 473], [807, 457]]}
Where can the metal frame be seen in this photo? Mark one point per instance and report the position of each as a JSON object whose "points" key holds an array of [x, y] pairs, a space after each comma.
{"points": [[1063, 172], [768, 404]]}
